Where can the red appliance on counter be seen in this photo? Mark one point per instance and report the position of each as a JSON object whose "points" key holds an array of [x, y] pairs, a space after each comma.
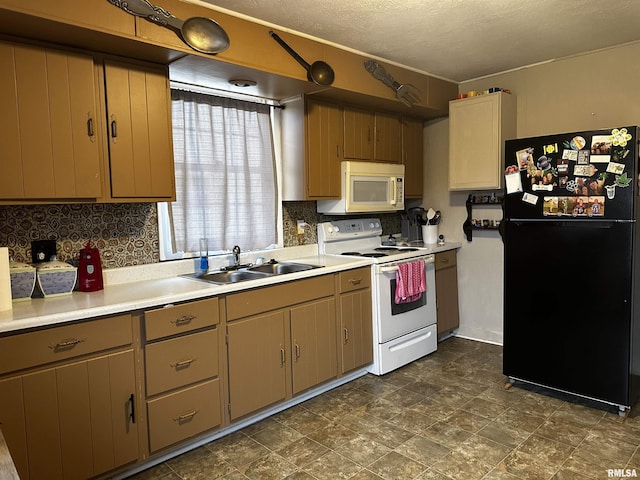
{"points": [[90, 269]]}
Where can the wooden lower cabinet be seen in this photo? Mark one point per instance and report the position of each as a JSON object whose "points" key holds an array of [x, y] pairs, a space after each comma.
{"points": [[257, 362], [281, 340], [74, 421], [356, 324], [183, 414], [182, 371], [447, 292], [313, 345]]}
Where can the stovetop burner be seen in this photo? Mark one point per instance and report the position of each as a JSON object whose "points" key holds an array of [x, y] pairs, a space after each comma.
{"points": [[366, 254]]}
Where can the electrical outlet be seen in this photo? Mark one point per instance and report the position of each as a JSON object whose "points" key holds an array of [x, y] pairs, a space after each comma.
{"points": [[300, 227]]}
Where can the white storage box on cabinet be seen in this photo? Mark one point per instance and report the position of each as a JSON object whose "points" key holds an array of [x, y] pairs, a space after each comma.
{"points": [[23, 280]]}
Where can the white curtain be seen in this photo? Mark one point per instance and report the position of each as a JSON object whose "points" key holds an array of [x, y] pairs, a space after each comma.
{"points": [[225, 174]]}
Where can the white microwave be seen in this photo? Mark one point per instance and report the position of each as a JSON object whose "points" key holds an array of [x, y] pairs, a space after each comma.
{"points": [[367, 187]]}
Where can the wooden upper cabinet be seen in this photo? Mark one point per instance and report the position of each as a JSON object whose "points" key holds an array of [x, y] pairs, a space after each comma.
{"points": [[97, 15], [412, 156], [323, 149], [48, 124], [387, 144], [478, 128], [139, 130], [358, 133]]}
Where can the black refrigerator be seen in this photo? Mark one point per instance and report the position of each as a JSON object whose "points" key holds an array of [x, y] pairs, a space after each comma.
{"points": [[570, 263]]}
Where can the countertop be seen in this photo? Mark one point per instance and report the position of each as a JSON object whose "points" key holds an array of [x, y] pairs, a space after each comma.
{"points": [[154, 292]]}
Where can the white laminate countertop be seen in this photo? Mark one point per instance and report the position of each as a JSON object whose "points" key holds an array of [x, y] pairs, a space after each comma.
{"points": [[155, 292]]}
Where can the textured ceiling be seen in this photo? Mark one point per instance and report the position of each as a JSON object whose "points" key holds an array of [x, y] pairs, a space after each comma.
{"points": [[454, 39]]}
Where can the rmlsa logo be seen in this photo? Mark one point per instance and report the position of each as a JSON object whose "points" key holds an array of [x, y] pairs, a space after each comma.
{"points": [[622, 472]]}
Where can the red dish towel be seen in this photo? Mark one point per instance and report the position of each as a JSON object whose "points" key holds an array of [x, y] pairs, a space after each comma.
{"points": [[410, 282]]}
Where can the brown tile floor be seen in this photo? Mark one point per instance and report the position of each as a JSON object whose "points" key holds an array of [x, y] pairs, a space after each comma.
{"points": [[446, 416]]}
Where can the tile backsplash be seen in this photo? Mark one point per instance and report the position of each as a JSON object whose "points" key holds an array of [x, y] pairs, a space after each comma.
{"points": [[126, 233]]}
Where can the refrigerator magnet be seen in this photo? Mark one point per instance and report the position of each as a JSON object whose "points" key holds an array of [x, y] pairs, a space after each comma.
{"points": [[584, 170], [601, 148], [570, 155], [550, 206], [583, 157], [512, 180], [530, 198], [525, 157], [617, 168]]}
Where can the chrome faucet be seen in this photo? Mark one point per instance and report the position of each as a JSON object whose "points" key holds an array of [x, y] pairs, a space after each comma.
{"points": [[236, 256]]}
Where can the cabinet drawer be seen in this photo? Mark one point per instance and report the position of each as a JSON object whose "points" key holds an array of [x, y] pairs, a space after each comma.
{"points": [[445, 259], [183, 414], [265, 299], [175, 319], [180, 361], [60, 343], [355, 279]]}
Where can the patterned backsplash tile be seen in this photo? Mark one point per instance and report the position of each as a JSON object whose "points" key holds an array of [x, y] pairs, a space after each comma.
{"points": [[126, 233]]}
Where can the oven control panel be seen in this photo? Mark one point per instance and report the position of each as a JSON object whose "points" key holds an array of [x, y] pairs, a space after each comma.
{"points": [[342, 229]]}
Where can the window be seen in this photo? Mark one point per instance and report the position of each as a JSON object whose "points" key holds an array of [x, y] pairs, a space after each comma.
{"points": [[226, 177]]}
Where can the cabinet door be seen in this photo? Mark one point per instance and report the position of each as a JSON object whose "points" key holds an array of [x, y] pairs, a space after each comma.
{"points": [[358, 134], [477, 129], [12, 423], [323, 149], [257, 362], [74, 420], [42, 425], [356, 329], [113, 422], [139, 129], [387, 146], [313, 334], [447, 299], [48, 124], [412, 156]]}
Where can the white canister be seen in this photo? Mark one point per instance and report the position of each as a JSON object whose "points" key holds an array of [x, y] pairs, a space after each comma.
{"points": [[430, 234]]}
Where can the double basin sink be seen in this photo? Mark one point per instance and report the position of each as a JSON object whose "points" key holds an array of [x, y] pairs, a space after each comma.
{"points": [[255, 272]]}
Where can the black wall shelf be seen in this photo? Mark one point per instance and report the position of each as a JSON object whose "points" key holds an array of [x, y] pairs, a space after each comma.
{"points": [[492, 199]]}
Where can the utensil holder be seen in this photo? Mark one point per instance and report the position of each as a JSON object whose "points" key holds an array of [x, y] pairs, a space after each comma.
{"points": [[430, 234]]}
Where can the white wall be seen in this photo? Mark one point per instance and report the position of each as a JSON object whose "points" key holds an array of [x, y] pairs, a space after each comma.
{"points": [[592, 91]]}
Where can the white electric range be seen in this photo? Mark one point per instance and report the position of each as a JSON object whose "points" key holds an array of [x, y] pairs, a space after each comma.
{"points": [[402, 332]]}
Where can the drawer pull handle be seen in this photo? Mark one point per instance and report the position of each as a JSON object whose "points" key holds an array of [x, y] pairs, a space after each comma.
{"points": [[183, 320], [444, 260], [66, 344], [182, 364], [297, 352], [346, 335], [186, 417], [355, 281]]}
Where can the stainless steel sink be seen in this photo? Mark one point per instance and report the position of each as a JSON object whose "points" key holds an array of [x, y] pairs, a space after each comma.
{"points": [[230, 277], [280, 268], [252, 273]]}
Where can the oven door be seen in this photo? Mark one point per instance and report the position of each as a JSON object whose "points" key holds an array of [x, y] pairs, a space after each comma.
{"points": [[394, 320]]}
